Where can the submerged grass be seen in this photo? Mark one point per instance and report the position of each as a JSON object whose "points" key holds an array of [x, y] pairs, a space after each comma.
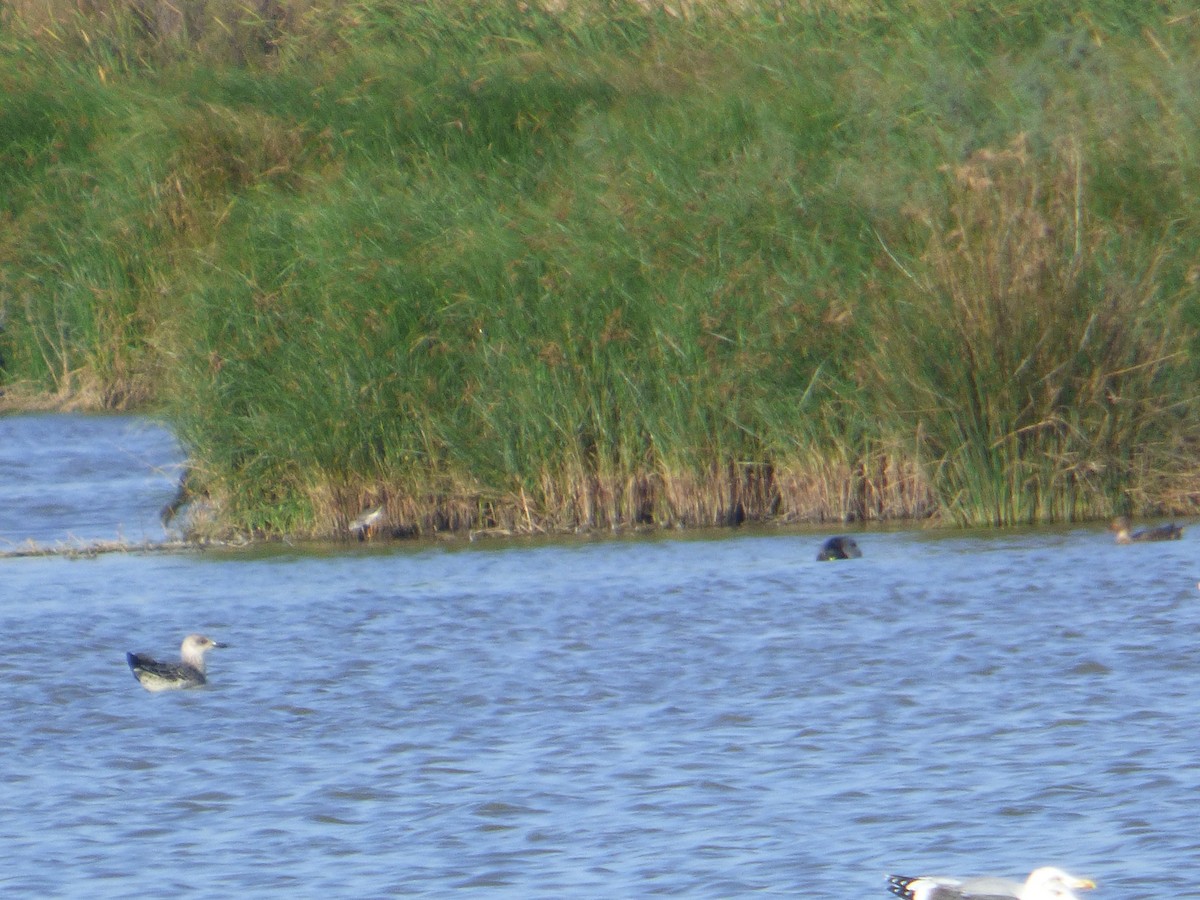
{"points": [[536, 268]]}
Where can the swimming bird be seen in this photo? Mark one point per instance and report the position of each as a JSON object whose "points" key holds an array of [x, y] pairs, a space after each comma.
{"points": [[187, 673], [1121, 525], [840, 547], [1046, 883], [364, 525]]}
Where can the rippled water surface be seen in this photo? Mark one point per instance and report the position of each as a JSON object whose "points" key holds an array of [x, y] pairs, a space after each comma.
{"points": [[710, 716]]}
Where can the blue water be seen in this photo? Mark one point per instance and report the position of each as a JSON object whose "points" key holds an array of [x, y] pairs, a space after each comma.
{"points": [[69, 479], [714, 715]]}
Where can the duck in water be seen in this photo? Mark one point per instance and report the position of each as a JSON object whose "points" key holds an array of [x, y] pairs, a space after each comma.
{"points": [[163, 676], [1122, 526], [840, 547]]}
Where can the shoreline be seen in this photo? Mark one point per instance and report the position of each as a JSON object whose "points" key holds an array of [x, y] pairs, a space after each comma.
{"points": [[92, 549], [655, 503], [809, 536]]}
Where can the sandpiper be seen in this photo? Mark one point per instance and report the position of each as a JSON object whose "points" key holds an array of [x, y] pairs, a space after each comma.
{"points": [[364, 525]]}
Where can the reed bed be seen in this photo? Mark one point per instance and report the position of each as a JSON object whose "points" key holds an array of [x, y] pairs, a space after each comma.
{"points": [[547, 267]]}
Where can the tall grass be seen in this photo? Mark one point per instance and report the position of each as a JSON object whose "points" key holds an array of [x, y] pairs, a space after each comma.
{"points": [[1033, 347], [527, 268]]}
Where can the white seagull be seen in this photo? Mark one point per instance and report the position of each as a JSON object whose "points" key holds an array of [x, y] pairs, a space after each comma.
{"points": [[1046, 883]]}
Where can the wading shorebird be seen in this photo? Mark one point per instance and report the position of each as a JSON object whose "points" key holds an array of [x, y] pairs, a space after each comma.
{"points": [[163, 676], [1046, 883], [1121, 525], [364, 525]]}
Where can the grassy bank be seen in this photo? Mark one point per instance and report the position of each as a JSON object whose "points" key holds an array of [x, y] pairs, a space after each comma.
{"points": [[498, 267]]}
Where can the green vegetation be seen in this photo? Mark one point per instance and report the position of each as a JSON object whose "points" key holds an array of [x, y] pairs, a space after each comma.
{"points": [[601, 263]]}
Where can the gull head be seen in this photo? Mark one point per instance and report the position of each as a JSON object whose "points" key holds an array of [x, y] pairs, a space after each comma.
{"points": [[1049, 883], [194, 647]]}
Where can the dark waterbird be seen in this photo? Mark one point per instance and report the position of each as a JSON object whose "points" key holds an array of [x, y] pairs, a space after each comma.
{"points": [[1122, 526], [840, 547], [187, 673]]}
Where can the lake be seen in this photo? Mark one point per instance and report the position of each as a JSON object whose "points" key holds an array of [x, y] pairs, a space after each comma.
{"points": [[705, 715]]}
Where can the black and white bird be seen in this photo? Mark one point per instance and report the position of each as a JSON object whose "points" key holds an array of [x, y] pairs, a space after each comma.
{"points": [[163, 676], [1046, 883]]}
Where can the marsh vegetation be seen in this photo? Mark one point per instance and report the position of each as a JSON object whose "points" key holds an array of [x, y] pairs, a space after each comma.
{"points": [[604, 264]]}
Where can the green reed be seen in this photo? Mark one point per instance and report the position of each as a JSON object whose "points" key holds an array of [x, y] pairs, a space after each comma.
{"points": [[502, 268]]}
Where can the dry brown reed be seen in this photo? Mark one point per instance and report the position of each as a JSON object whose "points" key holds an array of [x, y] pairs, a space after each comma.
{"points": [[1036, 360], [735, 493]]}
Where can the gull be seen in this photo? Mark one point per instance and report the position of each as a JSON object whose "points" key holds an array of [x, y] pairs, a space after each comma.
{"points": [[163, 676], [1046, 883]]}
